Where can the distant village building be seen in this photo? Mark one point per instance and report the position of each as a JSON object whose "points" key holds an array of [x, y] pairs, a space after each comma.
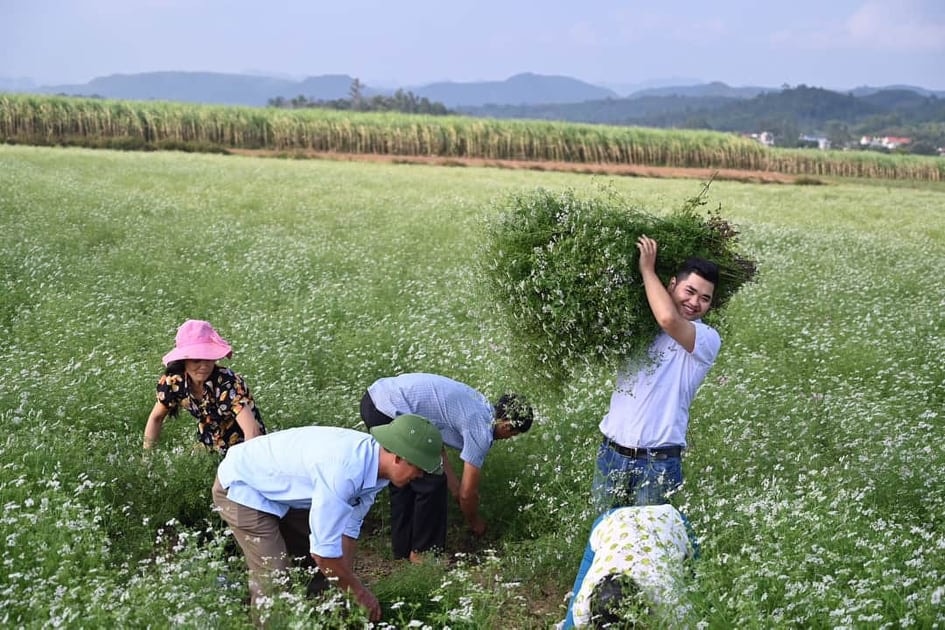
{"points": [[884, 142], [820, 142], [765, 137]]}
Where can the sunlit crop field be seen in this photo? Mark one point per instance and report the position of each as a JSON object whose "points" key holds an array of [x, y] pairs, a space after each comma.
{"points": [[815, 477], [139, 125]]}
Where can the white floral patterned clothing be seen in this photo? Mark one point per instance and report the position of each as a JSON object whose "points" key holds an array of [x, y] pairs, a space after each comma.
{"points": [[646, 543]]}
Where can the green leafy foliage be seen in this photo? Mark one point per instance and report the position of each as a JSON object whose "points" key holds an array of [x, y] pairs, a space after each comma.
{"points": [[564, 267]]}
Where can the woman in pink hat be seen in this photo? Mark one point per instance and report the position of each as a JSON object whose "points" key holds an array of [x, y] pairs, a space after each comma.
{"points": [[215, 395]]}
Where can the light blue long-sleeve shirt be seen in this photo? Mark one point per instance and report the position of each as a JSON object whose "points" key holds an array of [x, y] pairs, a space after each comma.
{"points": [[332, 472], [462, 414]]}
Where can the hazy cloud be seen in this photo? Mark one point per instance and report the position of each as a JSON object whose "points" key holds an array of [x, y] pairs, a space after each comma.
{"points": [[877, 26], [896, 27], [583, 33]]}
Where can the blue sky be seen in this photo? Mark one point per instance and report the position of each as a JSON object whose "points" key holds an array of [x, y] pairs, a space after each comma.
{"points": [[836, 44]]}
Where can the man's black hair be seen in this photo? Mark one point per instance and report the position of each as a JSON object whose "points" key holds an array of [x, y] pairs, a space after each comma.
{"points": [[700, 266], [515, 409]]}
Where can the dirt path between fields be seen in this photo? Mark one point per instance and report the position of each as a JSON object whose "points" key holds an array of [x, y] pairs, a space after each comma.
{"points": [[626, 170], [532, 605]]}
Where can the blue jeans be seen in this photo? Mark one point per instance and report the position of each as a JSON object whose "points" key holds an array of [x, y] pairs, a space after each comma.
{"points": [[586, 561], [620, 480]]}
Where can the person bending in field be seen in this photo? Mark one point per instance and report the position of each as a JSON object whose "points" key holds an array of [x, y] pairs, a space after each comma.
{"points": [[639, 461], [213, 394], [307, 490], [467, 423], [633, 570]]}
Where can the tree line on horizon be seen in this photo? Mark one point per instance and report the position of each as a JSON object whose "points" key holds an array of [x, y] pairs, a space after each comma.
{"points": [[403, 101], [788, 114]]}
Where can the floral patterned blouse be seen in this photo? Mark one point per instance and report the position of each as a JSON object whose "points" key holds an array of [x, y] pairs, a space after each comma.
{"points": [[646, 543], [226, 394]]}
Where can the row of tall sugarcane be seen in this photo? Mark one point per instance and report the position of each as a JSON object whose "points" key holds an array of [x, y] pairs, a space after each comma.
{"points": [[55, 120]]}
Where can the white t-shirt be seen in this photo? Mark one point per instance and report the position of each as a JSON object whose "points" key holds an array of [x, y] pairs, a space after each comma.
{"points": [[646, 543], [650, 405]]}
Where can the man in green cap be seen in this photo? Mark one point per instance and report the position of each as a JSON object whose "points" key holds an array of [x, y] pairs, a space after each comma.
{"points": [[307, 490]]}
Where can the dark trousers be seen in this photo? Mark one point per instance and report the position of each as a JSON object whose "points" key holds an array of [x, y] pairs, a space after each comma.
{"points": [[418, 515], [418, 510]]}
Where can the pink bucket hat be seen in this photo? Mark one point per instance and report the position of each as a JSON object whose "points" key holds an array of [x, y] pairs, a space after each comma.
{"points": [[196, 339]]}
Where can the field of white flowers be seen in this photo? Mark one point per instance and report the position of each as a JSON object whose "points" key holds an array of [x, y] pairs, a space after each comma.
{"points": [[815, 477]]}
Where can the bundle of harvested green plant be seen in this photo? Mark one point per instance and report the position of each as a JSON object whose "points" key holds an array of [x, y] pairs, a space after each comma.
{"points": [[564, 268]]}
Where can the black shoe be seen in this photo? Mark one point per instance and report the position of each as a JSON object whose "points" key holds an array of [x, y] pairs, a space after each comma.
{"points": [[317, 585]]}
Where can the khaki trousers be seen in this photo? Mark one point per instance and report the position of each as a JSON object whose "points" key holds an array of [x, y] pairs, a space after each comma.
{"points": [[269, 543]]}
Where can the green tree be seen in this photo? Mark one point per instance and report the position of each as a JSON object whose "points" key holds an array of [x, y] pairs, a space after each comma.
{"points": [[356, 93], [922, 147], [839, 134]]}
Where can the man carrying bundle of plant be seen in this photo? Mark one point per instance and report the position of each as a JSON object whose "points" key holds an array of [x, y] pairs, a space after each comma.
{"points": [[639, 461]]}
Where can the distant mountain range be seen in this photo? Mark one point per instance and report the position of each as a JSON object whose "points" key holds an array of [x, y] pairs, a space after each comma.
{"points": [[257, 90], [734, 109], [201, 87], [521, 90]]}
